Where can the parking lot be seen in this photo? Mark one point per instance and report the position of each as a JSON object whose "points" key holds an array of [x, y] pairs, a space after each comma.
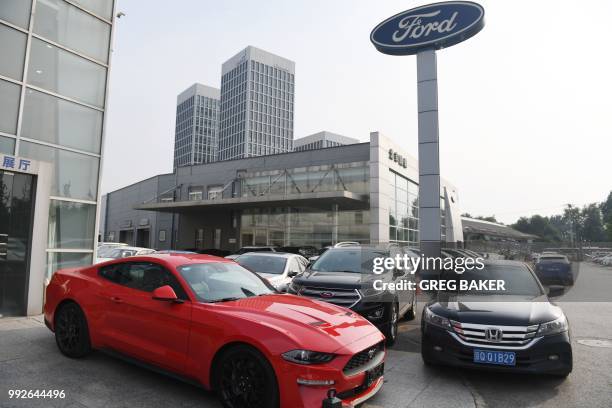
{"points": [[29, 360]]}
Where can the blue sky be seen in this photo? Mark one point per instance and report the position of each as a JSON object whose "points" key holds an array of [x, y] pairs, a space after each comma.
{"points": [[524, 105]]}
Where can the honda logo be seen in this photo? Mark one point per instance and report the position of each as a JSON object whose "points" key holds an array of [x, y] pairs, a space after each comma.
{"points": [[494, 334]]}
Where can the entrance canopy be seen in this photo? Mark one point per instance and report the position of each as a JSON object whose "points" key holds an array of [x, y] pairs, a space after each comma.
{"points": [[345, 199]]}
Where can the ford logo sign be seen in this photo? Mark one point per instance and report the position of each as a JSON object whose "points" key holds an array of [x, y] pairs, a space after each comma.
{"points": [[433, 26], [327, 295]]}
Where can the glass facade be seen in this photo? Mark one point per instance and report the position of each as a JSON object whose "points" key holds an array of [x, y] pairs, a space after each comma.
{"points": [[404, 211], [298, 226], [256, 110], [52, 107], [197, 131]]}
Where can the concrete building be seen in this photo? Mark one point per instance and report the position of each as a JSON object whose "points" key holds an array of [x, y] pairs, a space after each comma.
{"points": [[53, 93], [197, 125], [365, 192], [257, 94], [322, 140]]}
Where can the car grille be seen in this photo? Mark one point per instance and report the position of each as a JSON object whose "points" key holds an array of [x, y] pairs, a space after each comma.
{"points": [[363, 357], [342, 297], [510, 336]]}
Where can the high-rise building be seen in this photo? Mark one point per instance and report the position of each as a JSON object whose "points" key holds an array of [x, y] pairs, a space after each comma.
{"points": [[322, 140], [197, 126], [53, 99], [257, 94]]}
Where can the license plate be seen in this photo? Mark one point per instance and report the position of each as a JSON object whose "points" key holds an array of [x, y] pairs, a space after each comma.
{"points": [[374, 374], [507, 358]]}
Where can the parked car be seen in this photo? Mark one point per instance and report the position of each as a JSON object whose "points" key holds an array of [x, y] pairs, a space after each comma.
{"points": [[305, 251], [173, 251], [218, 325], [123, 252], [246, 249], [343, 276], [554, 268], [513, 330], [276, 267], [104, 248]]}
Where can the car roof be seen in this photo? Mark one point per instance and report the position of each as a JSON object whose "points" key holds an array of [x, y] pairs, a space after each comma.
{"points": [[177, 259], [277, 254]]}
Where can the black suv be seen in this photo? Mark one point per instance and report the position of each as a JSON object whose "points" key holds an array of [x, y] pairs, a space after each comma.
{"points": [[344, 276]]}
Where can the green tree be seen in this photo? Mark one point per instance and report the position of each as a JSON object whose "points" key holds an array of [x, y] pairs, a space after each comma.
{"points": [[592, 228]]}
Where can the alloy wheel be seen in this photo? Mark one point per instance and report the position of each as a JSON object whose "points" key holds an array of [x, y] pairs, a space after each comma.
{"points": [[242, 382]]}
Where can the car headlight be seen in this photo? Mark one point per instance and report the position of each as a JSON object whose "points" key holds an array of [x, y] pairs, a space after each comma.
{"points": [[307, 357], [556, 326], [436, 320]]}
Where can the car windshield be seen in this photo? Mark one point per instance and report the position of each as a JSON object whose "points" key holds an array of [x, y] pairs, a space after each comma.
{"points": [[356, 260], [117, 253], [220, 281], [518, 280], [263, 263], [552, 258]]}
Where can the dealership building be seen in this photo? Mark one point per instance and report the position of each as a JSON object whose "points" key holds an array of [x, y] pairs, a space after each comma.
{"points": [[364, 192], [53, 96]]}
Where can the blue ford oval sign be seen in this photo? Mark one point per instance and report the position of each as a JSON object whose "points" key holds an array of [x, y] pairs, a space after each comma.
{"points": [[433, 26]]}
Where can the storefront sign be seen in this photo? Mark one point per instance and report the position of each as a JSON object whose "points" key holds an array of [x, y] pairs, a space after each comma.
{"points": [[18, 164], [397, 158], [433, 26]]}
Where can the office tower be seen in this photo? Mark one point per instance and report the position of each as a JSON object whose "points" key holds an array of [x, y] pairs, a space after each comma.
{"points": [[257, 94], [197, 126]]}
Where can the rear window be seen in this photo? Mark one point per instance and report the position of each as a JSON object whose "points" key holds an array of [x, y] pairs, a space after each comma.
{"points": [[553, 258]]}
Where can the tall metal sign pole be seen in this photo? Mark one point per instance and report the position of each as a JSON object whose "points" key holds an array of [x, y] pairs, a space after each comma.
{"points": [[422, 31]]}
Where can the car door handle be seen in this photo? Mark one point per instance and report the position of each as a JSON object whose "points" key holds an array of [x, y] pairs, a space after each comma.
{"points": [[116, 299]]}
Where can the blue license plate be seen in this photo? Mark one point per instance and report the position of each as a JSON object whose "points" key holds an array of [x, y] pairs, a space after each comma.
{"points": [[507, 358]]}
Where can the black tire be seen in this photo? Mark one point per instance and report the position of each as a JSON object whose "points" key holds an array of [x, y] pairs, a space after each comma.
{"points": [[411, 313], [390, 331], [245, 379], [71, 331]]}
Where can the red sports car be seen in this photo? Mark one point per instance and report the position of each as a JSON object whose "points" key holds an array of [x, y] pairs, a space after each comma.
{"points": [[211, 321]]}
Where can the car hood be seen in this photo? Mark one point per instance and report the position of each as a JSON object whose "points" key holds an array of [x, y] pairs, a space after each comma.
{"points": [[306, 321], [501, 310], [345, 280]]}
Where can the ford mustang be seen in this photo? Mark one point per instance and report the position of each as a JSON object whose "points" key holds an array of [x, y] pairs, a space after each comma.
{"points": [[210, 321]]}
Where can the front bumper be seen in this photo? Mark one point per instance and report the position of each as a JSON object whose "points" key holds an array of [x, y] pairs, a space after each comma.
{"points": [[533, 359], [351, 388]]}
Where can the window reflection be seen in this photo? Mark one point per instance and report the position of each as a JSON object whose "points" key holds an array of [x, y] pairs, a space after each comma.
{"points": [[67, 74], [75, 175]]}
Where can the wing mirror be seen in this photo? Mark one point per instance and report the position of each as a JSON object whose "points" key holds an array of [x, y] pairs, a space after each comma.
{"points": [[555, 291], [166, 294], [291, 274]]}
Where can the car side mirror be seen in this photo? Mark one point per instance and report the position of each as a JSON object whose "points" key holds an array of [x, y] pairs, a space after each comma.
{"points": [[555, 291], [165, 294], [291, 274]]}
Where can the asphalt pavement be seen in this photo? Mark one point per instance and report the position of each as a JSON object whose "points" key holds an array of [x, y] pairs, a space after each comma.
{"points": [[29, 359]]}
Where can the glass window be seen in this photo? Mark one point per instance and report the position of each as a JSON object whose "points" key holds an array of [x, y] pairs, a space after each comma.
{"points": [[61, 260], [65, 24], [67, 74], [16, 12], [71, 225], [75, 175], [9, 106], [54, 120], [13, 45], [7, 145], [103, 8]]}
